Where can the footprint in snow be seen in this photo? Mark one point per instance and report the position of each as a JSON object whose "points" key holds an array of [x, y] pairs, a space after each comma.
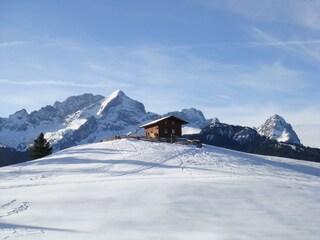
{"points": [[13, 207]]}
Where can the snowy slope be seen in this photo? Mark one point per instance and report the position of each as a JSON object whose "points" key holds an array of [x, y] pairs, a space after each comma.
{"points": [[129, 189]]}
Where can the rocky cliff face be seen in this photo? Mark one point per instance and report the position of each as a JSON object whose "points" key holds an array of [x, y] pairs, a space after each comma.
{"points": [[278, 129]]}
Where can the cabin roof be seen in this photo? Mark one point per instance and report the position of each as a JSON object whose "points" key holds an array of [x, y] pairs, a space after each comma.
{"points": [[161, 119]]}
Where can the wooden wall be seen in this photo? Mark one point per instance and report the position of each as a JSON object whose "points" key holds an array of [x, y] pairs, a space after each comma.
{"points": [[165, 128]]}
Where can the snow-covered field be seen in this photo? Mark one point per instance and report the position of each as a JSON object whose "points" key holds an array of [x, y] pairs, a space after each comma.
{"points": [[129, 189]]}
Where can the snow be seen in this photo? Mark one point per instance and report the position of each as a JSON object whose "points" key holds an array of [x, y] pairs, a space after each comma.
{"points": [[277, 128], [130, 189], [107, 100], [186, 130], [21, 139], [293, 147], [155, 121], [159, 120]]}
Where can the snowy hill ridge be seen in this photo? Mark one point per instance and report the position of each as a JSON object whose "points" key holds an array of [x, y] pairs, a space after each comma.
{"points": [[277, 128], [145, 190]]}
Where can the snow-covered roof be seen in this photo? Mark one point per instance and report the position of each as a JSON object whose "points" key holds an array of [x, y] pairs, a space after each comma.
{"points": [[161, 119]]}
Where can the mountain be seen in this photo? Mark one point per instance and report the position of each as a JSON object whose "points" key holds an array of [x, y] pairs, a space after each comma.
{"points": [[195, 118], [247, 139], [229, 136], [277, 128], [79, 119], [91, 118], [226, 135], [113, 115], [130, 189], [19, 129]]}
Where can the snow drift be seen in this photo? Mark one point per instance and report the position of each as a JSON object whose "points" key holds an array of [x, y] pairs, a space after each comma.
{"points": [[129, 189]]}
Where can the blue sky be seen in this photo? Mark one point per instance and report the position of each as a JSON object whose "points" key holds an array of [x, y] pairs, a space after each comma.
{"points": [[240, 61]]}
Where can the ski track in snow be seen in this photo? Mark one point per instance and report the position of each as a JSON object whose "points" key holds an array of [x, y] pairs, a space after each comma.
{"points": [[19, 232], [13, 207], [10, 209], [131, 160], [152, 164]]}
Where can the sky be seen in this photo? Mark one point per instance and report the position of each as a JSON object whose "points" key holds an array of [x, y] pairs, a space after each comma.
{"points": [[239, 61]]}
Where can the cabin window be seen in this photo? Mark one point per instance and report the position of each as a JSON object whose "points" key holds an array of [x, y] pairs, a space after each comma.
{"points": [[173, 131], [166, 131], [165, 122], [172, 122]]}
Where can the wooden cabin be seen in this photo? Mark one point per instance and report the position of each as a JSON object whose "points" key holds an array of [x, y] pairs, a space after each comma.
{"points": [[166, 127]]}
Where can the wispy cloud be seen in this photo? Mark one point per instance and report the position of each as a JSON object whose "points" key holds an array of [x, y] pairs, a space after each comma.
{"points": [[303, 13], [276, 42], [60, 83], [62, 43], [181, 69], [307, 48], [13, 44]]}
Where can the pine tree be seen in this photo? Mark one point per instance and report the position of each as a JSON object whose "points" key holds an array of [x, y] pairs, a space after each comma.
{"points": [[40, 147]]}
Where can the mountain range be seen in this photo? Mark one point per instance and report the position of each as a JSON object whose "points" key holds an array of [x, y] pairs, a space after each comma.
{"points": [[91, 118]]}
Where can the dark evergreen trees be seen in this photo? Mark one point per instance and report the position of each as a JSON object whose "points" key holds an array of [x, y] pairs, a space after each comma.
{"points": [[228, 136], [40, 147]]}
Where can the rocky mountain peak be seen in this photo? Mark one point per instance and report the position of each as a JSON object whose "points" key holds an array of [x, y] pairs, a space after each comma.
{"points": [[278, 129], [277, 119], [75, 103], [120, 102], [193, 116], [19, 114]]}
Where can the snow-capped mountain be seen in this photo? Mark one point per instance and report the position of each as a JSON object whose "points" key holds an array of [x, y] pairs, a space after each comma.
{"points": [[115, 114], [277, 128], [85, 119], [90, 118], [20, 128], [195, 118]]}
